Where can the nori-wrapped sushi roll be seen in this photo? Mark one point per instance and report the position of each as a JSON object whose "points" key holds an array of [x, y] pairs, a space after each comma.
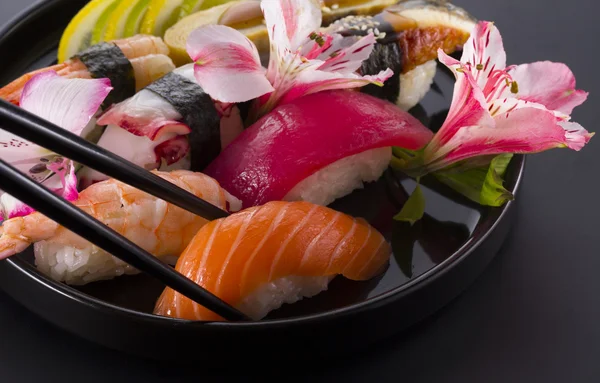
{"points": [[131, 64], [408, 36], [106, 60], [170, 124]]}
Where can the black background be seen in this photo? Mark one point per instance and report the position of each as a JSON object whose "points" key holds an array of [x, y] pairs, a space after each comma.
{"points": [[534, 315]]}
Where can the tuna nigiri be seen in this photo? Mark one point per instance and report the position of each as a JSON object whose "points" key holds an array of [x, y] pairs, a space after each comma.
{"points": [[157, 226], [316, 148], [265, 256]]}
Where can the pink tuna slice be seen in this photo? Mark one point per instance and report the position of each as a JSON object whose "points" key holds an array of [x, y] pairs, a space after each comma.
{"points": [[302, 137]]}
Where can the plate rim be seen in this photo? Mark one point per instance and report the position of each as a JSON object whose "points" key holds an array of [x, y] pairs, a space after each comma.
{"points": [[518, 164]]}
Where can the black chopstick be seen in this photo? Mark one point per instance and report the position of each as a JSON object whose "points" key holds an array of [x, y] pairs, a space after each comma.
{"points": [[71, 217], [35, 129]]}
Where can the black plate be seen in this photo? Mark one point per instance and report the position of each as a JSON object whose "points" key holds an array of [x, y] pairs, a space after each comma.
{"points": [[433, 261]]}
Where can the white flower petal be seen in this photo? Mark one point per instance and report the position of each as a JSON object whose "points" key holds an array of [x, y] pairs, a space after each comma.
{"points": [[484, 52], [227, 64]]}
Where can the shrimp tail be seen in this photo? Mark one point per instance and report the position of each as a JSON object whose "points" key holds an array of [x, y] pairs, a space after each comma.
{"points": [[12, 244], [16, 234], [141, 45]]}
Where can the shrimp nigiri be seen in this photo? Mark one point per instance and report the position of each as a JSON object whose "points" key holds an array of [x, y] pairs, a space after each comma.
{"points": [[130, 63], [277, 253], [157, 226]]}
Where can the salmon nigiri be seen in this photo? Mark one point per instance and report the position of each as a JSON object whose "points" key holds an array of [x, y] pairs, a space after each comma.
{"points": [[277, 253]]}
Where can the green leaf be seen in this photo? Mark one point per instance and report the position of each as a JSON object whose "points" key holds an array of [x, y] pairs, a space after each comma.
{"points": [[404, 237], [410, 162], [482, 184], [414, 208]]}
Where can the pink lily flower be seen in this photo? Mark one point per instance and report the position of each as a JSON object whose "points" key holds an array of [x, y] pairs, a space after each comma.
{"points": [[68, 103], [498, 109], [302, 60]]}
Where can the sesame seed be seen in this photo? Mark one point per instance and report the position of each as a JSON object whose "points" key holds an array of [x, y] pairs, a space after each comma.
{"points": [[376, 31], [363, 28], [335, 6], [326, 9]]}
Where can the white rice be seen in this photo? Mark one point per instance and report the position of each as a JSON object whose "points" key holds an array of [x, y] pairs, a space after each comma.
{"points": [[272, 296], [76, 266], [415, 84], [342, 177]]}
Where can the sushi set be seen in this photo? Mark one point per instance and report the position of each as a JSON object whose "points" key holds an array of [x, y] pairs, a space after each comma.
{"points": [[313, 173]]}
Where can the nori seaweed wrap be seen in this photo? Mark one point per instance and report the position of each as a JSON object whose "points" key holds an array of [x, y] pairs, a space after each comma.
{"points": [[198, 112], [106, 60]]}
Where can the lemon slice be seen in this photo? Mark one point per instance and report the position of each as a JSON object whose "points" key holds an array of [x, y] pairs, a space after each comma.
{"points": [[191, 6], [134, 21], [176, 36], [161, 15], [78, 34], [125, 20], [100, 27]]}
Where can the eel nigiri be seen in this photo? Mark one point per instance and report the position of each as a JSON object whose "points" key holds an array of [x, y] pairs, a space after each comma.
{"points": [[166, 121], [408, 36], [316, 148], [130, 64], [265, 256], [157, 226]]}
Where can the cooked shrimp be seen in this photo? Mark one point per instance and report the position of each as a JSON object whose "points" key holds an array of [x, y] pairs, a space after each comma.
{"points": [[159, 227], [141, 45], [147, 54], [150, 68]]}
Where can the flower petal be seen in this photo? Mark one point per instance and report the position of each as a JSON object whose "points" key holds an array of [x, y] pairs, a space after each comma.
{"points": [[309, 82], [548, 83], [145, 114], [68, 103], [468, 108], [576, 136], [12, 207], [527, 130], [63, 183], [351, 58], [507, 105], [227, 64], [290, 22], [66, 173], [289, 25], [23, 155], [484, 52]]}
